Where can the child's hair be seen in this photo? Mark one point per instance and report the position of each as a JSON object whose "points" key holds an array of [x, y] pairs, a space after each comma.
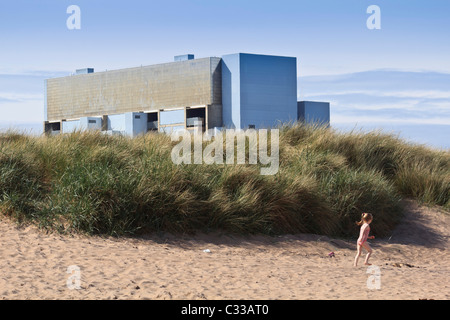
{"points": [[365, 217]]}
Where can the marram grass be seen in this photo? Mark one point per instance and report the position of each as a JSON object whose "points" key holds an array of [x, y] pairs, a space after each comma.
{"points": [[98, 184]]}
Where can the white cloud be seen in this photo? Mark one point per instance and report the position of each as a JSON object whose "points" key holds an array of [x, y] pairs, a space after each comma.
{"points": [[382, 96], [20, 97], [428, 94], [339, 118]]}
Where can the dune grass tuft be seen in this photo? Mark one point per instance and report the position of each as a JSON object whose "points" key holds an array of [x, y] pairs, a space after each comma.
{"points": [[98, 184]]}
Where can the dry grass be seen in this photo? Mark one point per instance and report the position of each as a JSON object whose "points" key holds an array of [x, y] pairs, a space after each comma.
{"points": [[93, 183]]}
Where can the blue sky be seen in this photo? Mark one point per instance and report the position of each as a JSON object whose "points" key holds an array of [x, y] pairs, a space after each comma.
{"points": [[399, 74]]}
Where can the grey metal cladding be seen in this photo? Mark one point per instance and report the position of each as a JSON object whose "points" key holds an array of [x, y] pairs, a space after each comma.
{"points": [[168, 85]]}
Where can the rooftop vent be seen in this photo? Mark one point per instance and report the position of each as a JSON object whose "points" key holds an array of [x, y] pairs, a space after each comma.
{"points": [[184, 57], [84, 71]]}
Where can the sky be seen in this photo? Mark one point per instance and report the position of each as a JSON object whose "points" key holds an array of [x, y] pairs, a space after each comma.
{"points": [[397, 77]]}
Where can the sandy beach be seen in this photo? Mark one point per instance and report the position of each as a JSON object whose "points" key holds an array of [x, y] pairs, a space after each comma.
{"points": [[413, 264]]}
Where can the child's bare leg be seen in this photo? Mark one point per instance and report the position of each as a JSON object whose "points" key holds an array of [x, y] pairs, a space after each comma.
{"points": [[358, 254], [369, 253]]}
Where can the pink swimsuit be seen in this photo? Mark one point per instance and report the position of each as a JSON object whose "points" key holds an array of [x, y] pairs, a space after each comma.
{"points": [[363, 234]]}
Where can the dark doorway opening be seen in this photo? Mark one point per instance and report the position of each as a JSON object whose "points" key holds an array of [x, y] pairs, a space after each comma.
{"points": [[196, 117], [152, 121], [52, 127]]}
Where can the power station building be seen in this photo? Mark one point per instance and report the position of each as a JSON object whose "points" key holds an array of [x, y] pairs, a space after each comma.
{"points": [[236, 91]]}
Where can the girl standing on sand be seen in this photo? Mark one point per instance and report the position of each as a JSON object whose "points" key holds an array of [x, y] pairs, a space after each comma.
{"points": [[366, 219]]}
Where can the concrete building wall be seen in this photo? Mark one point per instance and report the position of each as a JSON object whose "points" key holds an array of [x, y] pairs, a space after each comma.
{"points": [[170, 85], [216, 83], [116, 122], [268, 90], [91, 123], [136, 123], [231, 88], [214, 117], [84, 123], [45, 102], [171, 117], [70, 126], [314, 112], [258, 90], [131, 123]]}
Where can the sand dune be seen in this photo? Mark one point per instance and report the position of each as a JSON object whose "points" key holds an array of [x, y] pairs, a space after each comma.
{"points": [[413, 264]]}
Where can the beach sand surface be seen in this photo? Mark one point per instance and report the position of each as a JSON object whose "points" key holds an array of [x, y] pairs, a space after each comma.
{"points": [[413, 263]]}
